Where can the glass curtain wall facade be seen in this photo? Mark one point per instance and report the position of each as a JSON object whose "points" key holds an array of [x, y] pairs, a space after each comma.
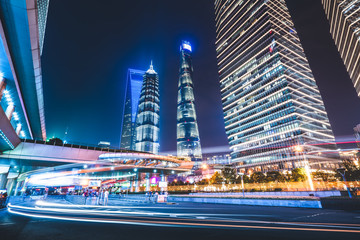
{"points": [[43, 7], [188, 140], [148, 118], [271, 102], [344, 19], [134, 83]]}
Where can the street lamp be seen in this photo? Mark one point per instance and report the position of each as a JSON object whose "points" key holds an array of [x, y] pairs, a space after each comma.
{"points": [[308, 174], [300, 149], [242, 183], [342, 173]]}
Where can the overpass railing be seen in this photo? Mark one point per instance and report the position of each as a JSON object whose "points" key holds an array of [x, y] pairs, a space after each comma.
{"points": [[80, 146]]}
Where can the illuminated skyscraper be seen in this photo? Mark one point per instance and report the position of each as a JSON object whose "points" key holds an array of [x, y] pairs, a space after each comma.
{"points": [[133, 88], [148, 118], [188, 140], [270, 99], [344, 19]]}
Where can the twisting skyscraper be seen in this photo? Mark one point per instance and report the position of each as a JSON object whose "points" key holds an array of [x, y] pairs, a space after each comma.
{"points": [[188, 141], [134, 83], [270, 99], [344, 19], [148, 118]]}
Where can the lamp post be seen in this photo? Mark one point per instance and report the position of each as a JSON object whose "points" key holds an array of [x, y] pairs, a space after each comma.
{"points": [[300, 149], [205, 169], [242, 183], [342, 173], [308, 174]]}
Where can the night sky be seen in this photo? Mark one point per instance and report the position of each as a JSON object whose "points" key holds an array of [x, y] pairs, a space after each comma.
{"points": [[90, 45]]}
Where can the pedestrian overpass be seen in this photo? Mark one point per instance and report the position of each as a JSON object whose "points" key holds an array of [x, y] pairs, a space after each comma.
{"points": [[33, 157]]}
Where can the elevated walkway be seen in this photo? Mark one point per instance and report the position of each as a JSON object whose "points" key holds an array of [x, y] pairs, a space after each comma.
{"points": [[8, 137], [40, 151]]}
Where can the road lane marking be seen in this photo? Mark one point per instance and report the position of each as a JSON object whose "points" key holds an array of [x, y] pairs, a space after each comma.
{"points": [[141, 214], [182, 224], [112, 212], [4, 224], [42, 203]]}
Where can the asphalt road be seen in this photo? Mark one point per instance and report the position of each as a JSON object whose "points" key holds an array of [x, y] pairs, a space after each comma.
{"points": [[129, 220]]}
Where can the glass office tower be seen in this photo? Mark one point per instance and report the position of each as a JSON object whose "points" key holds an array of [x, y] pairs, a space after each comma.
{"points": [[134, 83], [148, 118], [344, 19], [274, 115], [188, 140]]}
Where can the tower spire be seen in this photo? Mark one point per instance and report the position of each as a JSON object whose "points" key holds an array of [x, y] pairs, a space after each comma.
{"points": [[151, 69]]}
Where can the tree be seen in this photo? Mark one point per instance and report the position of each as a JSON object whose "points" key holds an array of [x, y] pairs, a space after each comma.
{"points": [[180, 183], [203, 182], [55, 141], [275, 176], [287, 177], [298, 175], [229, 173], [258, 177], [358, 155], [246, 179], [352, 172], [216, 178], [324, 176]]}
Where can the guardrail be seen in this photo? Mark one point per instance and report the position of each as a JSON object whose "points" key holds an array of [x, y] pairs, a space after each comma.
{"points": [[299, 193], [80, 200], [251, 202], [266, 187], [81, 146]]}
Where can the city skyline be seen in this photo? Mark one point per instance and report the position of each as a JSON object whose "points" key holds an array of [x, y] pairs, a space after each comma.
{"points": [[209, 109], [114, 87]]}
